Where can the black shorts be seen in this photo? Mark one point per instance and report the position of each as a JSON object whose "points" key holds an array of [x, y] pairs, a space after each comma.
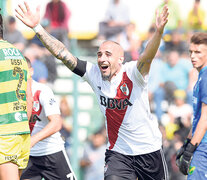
{"points": [[50, 167], [150, 166]]}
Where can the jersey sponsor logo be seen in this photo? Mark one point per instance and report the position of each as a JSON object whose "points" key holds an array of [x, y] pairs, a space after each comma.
{"points": [[20, 116], [36, 110], [124, 89], [12, 158], [52, 101], [18, 106], [191, 169], [112, 103], [12, 53], [34, 118]]}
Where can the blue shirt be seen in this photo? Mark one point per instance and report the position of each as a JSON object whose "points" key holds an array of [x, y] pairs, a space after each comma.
{"points": [[199, 97], [178, 74], [40, 70]]}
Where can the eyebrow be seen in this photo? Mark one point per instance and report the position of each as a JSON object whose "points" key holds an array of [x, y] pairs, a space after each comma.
{"points": [[104, 52]]}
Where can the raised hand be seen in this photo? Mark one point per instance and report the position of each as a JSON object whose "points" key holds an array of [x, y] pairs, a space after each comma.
{"points": [[27, 16], [162, 18]]}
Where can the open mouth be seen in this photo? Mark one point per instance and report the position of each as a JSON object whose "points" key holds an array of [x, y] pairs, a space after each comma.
{"points": [[104, 67]]}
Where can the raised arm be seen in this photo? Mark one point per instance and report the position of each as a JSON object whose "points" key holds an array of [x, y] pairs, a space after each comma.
{"points": [[145, 60], [57, 48]]}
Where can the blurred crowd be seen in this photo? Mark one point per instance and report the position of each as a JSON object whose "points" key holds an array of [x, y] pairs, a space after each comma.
{"points": [[171, 77]]}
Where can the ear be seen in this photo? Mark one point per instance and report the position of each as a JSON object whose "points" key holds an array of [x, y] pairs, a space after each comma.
{"points": [[121, 60], [31, 71]]}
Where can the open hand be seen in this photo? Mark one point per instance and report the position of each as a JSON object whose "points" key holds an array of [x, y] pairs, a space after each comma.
{"points": [[161, 19], [27, 16]]}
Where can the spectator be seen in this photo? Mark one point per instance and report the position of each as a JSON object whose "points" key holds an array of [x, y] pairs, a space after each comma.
{"points": [[66, 114], [149, 34], [176, 42], [130, 41], [155, 77], [40, 69], [51, 65], [175, 75], [13, 35], [92, 161], [44, 54], [196, 17], [179, 114], [58, 13], [116, 19]]}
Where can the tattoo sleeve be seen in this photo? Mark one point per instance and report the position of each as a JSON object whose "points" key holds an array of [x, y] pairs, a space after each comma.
{"points": [[140, 66], [57, 48], [144, 66]]}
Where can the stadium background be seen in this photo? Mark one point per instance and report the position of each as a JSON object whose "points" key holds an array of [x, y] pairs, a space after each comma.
{"points": [[86, 14]]}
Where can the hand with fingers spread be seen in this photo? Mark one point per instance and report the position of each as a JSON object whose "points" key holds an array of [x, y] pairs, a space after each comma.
{"points": [[27, 16], [161, 19]]}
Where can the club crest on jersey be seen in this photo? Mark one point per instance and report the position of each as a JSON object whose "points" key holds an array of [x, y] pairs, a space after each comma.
{"points": [[36, 106], [124, 89]]}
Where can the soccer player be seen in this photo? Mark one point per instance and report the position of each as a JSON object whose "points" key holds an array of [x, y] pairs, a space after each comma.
{"points": [[134, 147], [15, 109], [192, 157], [48, 158]]}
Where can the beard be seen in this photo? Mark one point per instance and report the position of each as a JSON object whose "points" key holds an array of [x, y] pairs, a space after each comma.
{"points": [[106, 77]]}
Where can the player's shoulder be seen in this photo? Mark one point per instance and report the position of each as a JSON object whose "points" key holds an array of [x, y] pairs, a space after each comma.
{"points": [[203, 75], [93, 70], [40, 86], [128, 66]]}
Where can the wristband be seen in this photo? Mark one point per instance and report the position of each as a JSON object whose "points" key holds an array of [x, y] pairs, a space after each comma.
{"points": [[37, 28]]}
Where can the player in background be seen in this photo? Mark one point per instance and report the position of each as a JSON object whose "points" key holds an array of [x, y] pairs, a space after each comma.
{"points": [[134, 148], [15, 110], [192, 157], [48, 158]]}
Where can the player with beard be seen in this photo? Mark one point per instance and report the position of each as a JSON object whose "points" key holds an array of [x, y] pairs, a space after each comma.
{"points": [[135, 143]]}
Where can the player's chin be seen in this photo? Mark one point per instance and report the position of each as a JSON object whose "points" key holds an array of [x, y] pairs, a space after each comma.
{"points": [[105, 77]]}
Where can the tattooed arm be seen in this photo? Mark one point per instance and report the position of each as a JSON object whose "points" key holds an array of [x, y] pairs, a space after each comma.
{"points": [[57, 48], [145, 60]]}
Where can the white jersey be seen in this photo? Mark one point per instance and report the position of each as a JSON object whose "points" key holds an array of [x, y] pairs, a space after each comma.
{"points": [[44, 105], [124, 102]]}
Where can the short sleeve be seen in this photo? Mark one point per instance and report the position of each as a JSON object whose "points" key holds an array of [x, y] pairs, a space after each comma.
{"points": [[203, 92], [47, 100]]}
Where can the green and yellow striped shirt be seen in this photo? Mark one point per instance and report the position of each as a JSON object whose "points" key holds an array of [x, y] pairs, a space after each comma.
{"points": [[13, 84]]}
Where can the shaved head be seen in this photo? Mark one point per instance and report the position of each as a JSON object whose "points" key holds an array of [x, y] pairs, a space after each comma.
{"points": [[114, 47]]}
